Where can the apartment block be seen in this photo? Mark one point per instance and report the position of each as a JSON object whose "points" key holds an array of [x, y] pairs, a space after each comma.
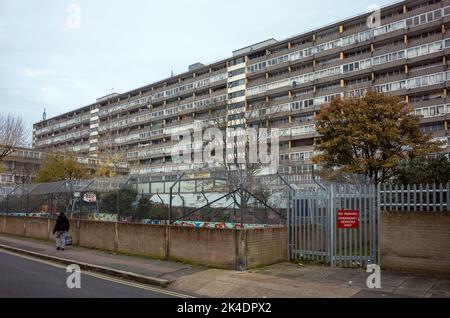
{"points": [[275, 83], [21, 166]]}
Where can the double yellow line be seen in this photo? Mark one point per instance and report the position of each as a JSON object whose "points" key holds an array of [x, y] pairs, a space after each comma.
{"points": [[104, 277]]}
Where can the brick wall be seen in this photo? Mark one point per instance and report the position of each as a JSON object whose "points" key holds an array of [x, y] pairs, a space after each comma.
{"points": [[211, 247], [221, 248], [266, 246], [416, 242]]}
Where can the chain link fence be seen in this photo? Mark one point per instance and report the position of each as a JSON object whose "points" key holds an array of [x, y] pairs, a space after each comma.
{"points": [[201, 199]]}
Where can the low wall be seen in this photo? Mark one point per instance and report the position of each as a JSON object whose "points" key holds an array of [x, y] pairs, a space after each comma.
{"points": [[221, 248], [212, 247], [140, 239], [416, 242], [266, 246]]}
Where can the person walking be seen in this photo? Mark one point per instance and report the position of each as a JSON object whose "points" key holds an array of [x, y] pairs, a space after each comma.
{"points": [[61, 230]]}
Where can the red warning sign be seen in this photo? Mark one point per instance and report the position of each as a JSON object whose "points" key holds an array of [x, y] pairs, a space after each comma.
{"points": [[348, 219]]}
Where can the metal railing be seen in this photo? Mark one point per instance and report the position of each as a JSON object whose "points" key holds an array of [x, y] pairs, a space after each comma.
{"points": [[429, 197]]}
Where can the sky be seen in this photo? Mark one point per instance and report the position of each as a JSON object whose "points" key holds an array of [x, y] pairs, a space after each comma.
{"points": [[62, 55]]}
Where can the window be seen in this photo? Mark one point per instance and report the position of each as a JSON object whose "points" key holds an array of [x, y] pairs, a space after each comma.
{"points": [[237, 61], [236, 83], [302, 104], [278, 84], [277, 60], [446, 11], [425, 18], [256, 67], [236, 72], [256, 90]]}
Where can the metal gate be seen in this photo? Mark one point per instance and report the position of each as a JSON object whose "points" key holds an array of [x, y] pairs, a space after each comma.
{"points": [[335, 224]]}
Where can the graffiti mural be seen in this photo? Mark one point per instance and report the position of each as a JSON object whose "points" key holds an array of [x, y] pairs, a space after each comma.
{"points": [[202, 224], [104, 217], [216, 225]]}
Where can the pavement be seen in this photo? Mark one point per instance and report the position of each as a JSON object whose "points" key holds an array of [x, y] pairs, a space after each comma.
{"points": [[28, 278], [146, 267], [285, 280]]}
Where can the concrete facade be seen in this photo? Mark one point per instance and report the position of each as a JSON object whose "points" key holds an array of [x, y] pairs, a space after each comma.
{"points": [[22, 164], [279, 84]]}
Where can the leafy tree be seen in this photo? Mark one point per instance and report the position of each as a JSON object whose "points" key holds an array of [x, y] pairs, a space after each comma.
{"points": [[423, 170], [149, 210], [369, 136], [108, 201], [105, 169], [61, 167]]}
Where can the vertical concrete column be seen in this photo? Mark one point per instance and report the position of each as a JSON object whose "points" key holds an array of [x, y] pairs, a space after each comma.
{"points": [[48, 229], [116, 237], [167, 239], [241, 249], [24, 230], [78, 232]]}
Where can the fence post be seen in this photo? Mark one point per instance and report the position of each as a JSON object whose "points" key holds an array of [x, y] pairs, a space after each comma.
{"points": [[170, 205], [51, 205], [332, 226], [288, 217], [241, 207], [118, 204], [378, 200], [116, 237]]}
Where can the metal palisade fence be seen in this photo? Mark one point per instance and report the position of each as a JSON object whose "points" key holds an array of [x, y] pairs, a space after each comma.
{"points": [[429, 197], [335, 224]]}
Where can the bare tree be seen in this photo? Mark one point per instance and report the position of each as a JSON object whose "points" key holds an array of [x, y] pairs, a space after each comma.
{"points": [[13, 134], [111, 155], [244, 175], [25, 171]]}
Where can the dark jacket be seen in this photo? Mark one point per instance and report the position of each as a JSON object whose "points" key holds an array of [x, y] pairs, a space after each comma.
{"points": [[62, 224]]}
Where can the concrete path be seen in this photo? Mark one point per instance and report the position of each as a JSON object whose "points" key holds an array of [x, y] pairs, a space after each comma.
{"points": [[289, 280], [284, 280]]}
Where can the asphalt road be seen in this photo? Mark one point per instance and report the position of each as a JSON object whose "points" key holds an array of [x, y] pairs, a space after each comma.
{"points": [[25, 277]]}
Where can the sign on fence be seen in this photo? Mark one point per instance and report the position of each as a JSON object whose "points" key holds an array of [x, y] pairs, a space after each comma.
{"points": [[336, 224], [348, 219]]}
